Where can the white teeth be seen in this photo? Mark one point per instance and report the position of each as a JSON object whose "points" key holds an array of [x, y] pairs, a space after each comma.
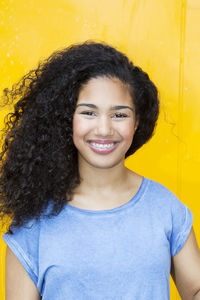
{"points": [[102, 146]]}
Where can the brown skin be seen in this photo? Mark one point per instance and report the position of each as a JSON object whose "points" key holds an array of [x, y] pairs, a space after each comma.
{"points": [[104, 174], [107, 183], [19, 285], [185, 269], [108, 199]]}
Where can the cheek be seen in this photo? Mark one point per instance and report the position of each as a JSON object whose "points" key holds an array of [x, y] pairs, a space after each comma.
{"points": [[76, 130], [80, 129], [127, 131]]}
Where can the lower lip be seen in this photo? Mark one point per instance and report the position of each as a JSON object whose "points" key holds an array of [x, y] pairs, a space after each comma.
{"points": [[103, 151]]}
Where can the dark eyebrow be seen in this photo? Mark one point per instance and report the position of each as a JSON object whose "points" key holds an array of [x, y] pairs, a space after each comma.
{"points": [[112, 108]]}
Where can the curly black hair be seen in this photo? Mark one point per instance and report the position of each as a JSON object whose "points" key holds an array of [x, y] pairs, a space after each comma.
{"points": [[39, 161]]}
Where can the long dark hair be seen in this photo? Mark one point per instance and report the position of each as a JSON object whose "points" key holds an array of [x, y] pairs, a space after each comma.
{"points": [[39, 160]]}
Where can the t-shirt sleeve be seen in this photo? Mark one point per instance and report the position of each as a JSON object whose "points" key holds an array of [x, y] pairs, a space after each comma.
{"points": [[24, 244], [182, 220]]}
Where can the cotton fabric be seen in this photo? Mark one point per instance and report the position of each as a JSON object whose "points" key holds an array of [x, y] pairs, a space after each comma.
{"points": [[121, 253]]}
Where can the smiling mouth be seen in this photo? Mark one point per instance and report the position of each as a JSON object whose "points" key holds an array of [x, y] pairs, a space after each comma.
{"points": [[103, 148]]}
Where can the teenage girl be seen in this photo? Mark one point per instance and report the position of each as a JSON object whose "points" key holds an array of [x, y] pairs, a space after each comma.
{"points": [[83, 225]]}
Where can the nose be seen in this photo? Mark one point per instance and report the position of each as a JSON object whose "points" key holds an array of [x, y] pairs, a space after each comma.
{"points": [[104, 127]]}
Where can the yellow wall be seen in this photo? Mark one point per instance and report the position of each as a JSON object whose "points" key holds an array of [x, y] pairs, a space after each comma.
{"points": [[160, 36]]}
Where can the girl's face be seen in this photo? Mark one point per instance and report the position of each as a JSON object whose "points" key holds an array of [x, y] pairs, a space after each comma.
{"points": [[104, 122]]}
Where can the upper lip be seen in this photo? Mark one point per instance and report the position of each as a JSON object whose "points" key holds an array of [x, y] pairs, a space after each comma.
{"points": [[102, 141]]}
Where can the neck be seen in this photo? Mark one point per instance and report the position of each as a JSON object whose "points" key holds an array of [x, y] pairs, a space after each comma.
{"points": [[98, 179]]}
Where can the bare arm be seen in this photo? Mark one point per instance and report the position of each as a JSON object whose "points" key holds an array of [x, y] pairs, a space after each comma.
{"points": [[185, 269], [19, 285]]}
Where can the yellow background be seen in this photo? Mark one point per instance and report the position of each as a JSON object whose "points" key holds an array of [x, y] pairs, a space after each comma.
{"points": [[160, 36]]}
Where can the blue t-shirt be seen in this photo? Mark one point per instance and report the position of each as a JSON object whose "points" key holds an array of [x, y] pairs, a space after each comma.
{"points": [[121, 253]]}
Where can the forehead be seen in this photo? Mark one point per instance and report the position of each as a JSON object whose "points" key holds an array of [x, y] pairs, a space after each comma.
{"points": [[103, 90]]}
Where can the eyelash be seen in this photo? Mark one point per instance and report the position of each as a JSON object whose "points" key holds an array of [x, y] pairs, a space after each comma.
{"points": [[88, 113]]}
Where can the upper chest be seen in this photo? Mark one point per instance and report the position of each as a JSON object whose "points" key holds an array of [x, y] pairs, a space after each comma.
{"points": [[100, 243]]}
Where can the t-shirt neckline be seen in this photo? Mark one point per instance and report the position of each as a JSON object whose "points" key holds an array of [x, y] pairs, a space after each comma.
{"points": [[131, 202]]}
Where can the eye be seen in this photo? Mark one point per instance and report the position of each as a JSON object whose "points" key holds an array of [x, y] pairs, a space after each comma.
{"points": [[120, 115], [88, 113]]}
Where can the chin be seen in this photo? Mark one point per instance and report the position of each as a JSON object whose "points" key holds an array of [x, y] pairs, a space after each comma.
{"points": [[105, 165]]}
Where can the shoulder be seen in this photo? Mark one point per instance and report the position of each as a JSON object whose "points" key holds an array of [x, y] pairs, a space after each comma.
{"points": [[24, 243], [24, 238], [151, 186], [28, 234], [169, 211], [158, 187], [163, 198], [158, 190]]}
